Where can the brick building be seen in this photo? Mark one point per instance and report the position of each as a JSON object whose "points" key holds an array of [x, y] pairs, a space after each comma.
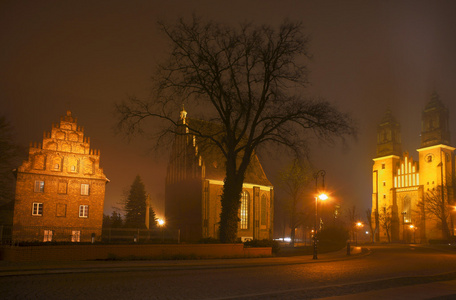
{"points": [[194, 185], [60, 189]]}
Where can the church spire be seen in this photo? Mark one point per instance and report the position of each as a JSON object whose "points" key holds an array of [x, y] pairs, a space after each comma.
{"points": [[389, 136], [434, 123]]}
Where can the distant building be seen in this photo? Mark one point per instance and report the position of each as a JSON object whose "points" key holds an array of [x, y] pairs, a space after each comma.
{"points": [[60, 189], [403, 186], [194, 183]]}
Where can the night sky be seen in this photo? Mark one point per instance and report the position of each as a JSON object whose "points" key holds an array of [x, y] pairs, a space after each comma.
{"points": [[87, 55]]}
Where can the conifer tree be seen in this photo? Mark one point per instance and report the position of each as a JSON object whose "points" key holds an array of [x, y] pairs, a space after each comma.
{"points": [[135, 207]]}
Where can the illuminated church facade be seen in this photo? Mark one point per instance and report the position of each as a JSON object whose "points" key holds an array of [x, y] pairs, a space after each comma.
{"points": [[60, 188], [194, 184], [407, 202]]}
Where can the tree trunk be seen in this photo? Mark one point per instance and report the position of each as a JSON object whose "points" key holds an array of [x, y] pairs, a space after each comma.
{"points": [[230, 201]]}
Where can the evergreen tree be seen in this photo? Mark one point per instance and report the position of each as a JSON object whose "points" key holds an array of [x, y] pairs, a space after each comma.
{"points": [[152, 218], [135, 207]]}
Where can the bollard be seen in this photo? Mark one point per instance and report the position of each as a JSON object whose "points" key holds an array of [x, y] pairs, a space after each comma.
{"points": [[348, 248], [135, 238]]}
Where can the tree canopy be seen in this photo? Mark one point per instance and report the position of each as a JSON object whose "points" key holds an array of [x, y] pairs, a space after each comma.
{"points": [[249, 79]]}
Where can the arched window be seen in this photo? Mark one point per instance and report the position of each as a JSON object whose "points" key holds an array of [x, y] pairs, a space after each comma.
{"points": [[244, 215]]}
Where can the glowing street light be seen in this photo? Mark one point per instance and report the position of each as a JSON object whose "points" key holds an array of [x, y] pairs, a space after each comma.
{"points": [[322, 197], [161, 224]]}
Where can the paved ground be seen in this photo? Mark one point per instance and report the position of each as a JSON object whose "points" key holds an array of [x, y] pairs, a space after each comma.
{"points": [[383, 274]]}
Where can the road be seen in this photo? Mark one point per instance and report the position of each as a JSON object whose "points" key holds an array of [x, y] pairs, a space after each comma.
{"points": [[385, 268]]}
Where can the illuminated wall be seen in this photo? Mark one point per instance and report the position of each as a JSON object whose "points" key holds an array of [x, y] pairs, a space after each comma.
{"points": [[60, 189]]}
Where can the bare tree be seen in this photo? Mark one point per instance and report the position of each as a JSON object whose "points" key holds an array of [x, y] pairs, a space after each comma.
{"points": [[9, 153], [249, 80], [352, 217], [385, 220], [436, 205], [294, 179], [371, 225]]}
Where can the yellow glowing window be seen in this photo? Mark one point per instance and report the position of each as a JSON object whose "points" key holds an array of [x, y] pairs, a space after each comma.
{"points": [[395, 181], [244, 216]]}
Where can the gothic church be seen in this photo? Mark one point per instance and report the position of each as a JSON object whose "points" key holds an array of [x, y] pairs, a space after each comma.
{"points": [[407, 200]]}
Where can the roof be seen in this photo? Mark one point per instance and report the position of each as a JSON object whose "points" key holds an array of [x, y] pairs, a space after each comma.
{"points": [[215, 161]]}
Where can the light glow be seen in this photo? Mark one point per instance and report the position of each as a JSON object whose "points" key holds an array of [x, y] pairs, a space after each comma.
{"points": [[323, 197]]}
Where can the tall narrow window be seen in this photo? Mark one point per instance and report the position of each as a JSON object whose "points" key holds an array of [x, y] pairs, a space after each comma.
{"points": [[37, 209], [39, 186], [264, 211], [84, 189], [244, 210], [83, 211]]}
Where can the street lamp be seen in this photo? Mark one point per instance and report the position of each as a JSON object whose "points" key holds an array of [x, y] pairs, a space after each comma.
{"points": [[412, 227], [358, 226], [322, 197], [161, 224]]}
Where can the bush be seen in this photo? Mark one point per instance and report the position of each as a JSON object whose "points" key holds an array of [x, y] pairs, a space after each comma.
{"points": [[264, 243]]}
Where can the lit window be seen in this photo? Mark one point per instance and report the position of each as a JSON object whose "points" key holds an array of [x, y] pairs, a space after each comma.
{"points": [[39, 186], [84, 189], [244, 210], [75, 236], [83, 211], [47, 236], [37, 209]]}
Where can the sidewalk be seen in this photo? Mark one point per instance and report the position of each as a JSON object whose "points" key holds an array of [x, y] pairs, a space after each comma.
{"points": [[56, 267]]}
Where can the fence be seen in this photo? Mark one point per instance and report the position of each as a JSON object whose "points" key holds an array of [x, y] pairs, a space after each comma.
{"points": [[86, 234]]}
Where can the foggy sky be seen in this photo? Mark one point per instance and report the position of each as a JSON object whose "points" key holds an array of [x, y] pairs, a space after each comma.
{"points": [[367, 56]]}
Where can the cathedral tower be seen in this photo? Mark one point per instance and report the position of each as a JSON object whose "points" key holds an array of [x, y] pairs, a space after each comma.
{"points": [[434, 124], [388, 157]]}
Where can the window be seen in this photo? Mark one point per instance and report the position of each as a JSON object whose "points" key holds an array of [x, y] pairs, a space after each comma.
{"points": [[384, 183], [244, 210], [39, 186], [37, 209], [73, 168], [84, 189], [384, 196], [383, 166], [75, 236], [56, 166], [47, 236], [83, 211], [264, 211]]}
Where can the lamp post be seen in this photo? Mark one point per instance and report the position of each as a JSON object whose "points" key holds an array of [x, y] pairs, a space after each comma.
{"points": [[322, 197], [161, 223], [358, 226], [403, 226], [412, 227]]}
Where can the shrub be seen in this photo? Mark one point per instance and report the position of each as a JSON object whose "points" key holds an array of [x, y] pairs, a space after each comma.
{"points": [[264, 243]]}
